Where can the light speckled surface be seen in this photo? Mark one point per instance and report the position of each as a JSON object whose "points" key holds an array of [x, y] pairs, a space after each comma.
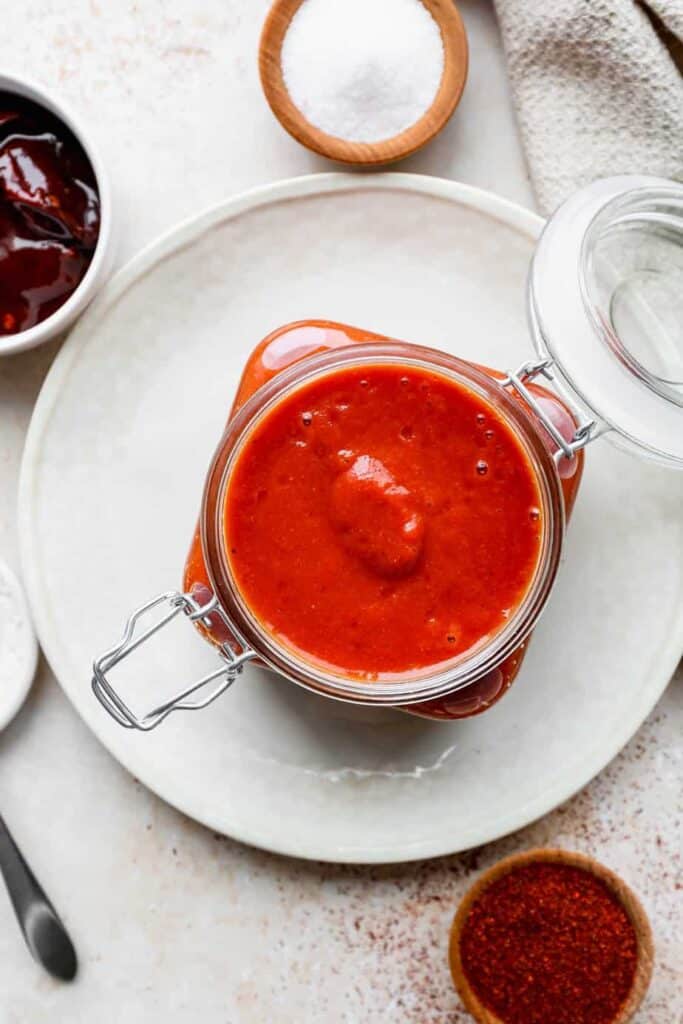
{"points": [[172, 923]]}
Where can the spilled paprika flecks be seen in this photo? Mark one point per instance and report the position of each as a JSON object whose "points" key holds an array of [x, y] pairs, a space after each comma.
{"points": [[548, 943]]}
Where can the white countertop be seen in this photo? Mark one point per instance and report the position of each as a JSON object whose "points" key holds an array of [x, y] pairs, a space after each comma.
{"points": [[171, 922]]}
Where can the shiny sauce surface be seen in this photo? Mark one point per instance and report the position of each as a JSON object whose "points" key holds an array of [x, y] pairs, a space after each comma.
{"points": [[49, 213], [382, 519]]}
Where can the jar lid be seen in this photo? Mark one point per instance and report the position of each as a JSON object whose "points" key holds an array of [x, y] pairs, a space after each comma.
{"points": [[606, 308]]}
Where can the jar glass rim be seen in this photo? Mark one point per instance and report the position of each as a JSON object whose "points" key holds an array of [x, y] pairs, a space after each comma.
{"points": [[654, 214], [432, 681], [603, 302]]}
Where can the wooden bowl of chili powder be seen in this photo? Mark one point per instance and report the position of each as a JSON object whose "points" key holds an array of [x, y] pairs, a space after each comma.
{"points": [[551, 937]]}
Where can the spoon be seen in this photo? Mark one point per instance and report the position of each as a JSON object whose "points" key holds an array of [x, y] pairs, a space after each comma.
{"points": [[45, 935]]}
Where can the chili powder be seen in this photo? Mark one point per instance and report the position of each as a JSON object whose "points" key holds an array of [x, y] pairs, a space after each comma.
{"points": [[548, 943]]}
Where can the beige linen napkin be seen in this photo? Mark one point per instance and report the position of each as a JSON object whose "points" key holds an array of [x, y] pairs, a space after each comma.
{"points": [[598, 88]]}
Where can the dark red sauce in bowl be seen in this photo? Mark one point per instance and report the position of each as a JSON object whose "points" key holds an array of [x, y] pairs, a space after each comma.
{"points": [[49, 213]]}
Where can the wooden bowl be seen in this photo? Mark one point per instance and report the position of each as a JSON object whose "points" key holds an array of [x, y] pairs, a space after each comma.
{"points": [[413, 138], [626, 897]]}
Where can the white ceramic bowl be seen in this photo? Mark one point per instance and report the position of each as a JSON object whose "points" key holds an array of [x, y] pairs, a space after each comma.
{"points": [[63, 317]]}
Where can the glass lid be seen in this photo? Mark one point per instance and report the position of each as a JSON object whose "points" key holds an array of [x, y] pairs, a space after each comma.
{"points": [[606, 307]]}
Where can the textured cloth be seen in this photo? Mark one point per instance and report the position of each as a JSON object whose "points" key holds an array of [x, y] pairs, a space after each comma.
{"points": [[598, 87]]}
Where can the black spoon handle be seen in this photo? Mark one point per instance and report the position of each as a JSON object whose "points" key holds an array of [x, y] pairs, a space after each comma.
{"points": [[45, 934]]}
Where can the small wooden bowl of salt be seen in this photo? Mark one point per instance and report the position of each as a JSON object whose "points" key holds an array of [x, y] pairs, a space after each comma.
{"points": [[363, 83]]}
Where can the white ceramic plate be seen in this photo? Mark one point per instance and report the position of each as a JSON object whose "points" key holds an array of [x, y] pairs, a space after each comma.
{"points": [[18, 646], [112, 476]]}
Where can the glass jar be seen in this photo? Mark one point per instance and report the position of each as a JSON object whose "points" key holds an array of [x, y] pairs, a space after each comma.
{"points": [[604, 309]]}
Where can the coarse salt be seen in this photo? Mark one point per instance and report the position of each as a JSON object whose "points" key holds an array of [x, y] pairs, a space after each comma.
{"points": [[362, 70]]}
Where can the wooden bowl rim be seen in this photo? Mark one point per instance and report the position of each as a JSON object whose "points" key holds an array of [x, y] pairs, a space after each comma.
{"points": [[449, 93], [625, 895]]}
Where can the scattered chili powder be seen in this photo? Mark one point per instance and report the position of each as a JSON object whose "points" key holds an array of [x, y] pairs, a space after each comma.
{"points": [[549, 944]]}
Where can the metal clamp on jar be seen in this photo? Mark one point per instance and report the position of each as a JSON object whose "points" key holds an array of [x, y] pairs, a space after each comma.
{"points": [[605, 305]]}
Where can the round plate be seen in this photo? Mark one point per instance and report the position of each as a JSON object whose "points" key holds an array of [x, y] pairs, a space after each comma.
{"points": [[111, 483], [18, 646]]}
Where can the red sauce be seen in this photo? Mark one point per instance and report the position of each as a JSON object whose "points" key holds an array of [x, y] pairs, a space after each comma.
{"points": [[49, 213], [292, 343], [382, 519]]}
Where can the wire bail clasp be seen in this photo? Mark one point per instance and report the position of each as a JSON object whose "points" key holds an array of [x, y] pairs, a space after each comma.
{"points": [[586, 429], [176, 603]]}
